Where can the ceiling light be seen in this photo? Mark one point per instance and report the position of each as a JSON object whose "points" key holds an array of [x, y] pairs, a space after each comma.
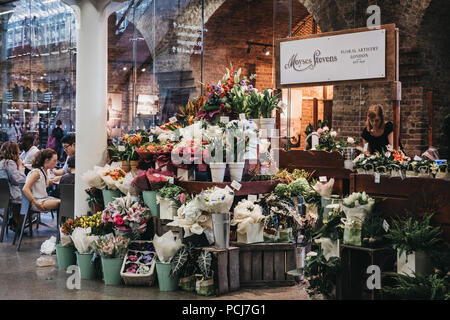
{"points": [[124, 69], [143, 70]]}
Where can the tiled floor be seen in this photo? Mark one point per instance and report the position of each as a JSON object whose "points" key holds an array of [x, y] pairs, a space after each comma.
{"points": [[20, 278]]}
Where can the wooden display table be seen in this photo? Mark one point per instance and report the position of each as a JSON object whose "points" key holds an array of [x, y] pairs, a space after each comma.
{"points": [[248, 187], [266, 264], [414, 195], [322, 163]]}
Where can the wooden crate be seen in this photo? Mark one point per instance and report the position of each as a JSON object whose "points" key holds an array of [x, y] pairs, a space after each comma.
{"points": [[226, 276], [266, 264]]}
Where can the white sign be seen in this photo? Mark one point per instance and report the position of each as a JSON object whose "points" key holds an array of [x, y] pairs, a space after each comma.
{"points": [[352, 56]]}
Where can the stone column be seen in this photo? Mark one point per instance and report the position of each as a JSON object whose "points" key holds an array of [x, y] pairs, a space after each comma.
{"points": [[91, 90]]}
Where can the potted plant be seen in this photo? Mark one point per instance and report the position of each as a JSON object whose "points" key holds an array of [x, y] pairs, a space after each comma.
{"points": [[111, 191], [357, 207], [65, 251], [268, 104], [442, 172], [170, 198], [184, 264], [217, 159], [132, 142], [127, 217], [112, 251], [166, 247], [205, 284], [413, 238]]}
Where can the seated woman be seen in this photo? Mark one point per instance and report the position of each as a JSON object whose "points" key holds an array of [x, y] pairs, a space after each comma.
{"points": [[69, 178], [378, 133], [37, 181], [13, 169]]}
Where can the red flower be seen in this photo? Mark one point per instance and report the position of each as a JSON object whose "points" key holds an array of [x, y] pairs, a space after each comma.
{"points": [[118, 220]]}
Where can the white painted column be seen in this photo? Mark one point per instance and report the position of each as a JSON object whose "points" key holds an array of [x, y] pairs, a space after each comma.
{"points": [[91, 91]]}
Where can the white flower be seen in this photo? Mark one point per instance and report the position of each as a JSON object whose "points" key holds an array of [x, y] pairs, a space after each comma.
{"points": [[311, 254], [270, 91], [196, 229], [350, 140], [333, 134]]}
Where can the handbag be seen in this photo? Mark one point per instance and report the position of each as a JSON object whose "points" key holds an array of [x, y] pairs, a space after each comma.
{"points": [[51, 143]]}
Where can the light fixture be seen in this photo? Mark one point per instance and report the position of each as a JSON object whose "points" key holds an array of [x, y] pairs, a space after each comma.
{"points": [[143, 69], [265, 46], [124, 69], [249, 48], [266, 52]]}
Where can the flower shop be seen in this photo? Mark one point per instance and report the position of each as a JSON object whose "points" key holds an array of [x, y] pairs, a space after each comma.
{"points": [[200, 204]]}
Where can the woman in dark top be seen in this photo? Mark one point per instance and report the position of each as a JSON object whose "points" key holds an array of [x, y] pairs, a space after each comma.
{"points": [[58, 134], [378, 134]]}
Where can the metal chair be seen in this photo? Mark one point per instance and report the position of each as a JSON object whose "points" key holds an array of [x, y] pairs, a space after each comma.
{"points": [[67, 207], [4, 204]]}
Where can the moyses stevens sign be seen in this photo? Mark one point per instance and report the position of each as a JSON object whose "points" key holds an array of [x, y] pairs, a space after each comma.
{"points": [[351, 56]]}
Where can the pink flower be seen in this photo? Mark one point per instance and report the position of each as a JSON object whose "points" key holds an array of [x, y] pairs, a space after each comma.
{"points": [[320, 131], [118, 220], [326, 128], [182, 198]]}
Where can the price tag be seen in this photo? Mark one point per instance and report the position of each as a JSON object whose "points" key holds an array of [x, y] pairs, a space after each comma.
{"points": [[252, 197], [366, 145], [224, 119], [377, 177], [121, 148], [173, 119], [171, 180], [385, 226], [236, 185], [323, 179], [150, 138], [241, 116]]}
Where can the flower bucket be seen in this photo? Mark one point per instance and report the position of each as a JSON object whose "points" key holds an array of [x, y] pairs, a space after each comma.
{"points": [[150, 201], [111, 271], [258, 123], [221, 225], [369, 168], [217, 171], [236, 170], [165, 282], [87, 267], [442, 173], [185, 174], [285, 235], [110, 195], [361, 171], [254, 234], [411, 174], [267, 124], [126, 166], [167, 209], [424, 172], [65, 256], [187, 283], [417, 262]]}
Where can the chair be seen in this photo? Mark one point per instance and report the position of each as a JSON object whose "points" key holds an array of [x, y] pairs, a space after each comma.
{"points": [[4, 204], [66, 208]]}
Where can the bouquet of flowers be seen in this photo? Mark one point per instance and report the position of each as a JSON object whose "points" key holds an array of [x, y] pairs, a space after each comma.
{"points": [[187, 114], [356, 207], [166, 247], [240, 135], [111, 247], [174, 193], [94, 178], [127, 216], [246, 213], [83, 239], [217, 200], [152, 179], [191, 218], [66, 231]]}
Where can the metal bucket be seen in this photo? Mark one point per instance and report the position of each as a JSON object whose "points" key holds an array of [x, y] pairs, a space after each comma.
{"points": [[221, 224]]}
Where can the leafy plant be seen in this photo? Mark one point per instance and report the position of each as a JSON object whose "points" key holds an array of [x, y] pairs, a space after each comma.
{"points": [[184, 263], [268, 103], [95, 196], [204, 261], [320, 273], [414, 234], [310, 129], [282, 190], [331, 228], [419, 287], [372, 228]]}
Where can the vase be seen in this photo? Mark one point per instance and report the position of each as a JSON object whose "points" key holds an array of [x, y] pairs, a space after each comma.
{"points": [[236, 170], [424, 172], [418, 262], [111, 271], [167, 209], [65, 256], [361, 171], [88, 269], [221, 227], [150, 201], [165, 282], [126, 166], [267, 125], [134, 164], [110, 195], [411, 174], [217, 171], [257, 122]]}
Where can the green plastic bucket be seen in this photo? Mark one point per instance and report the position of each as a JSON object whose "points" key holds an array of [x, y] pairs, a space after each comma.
{"points": [[166, 283], [65, 256], [109, 195], [88, 269], [150, 201], [111, 271]]}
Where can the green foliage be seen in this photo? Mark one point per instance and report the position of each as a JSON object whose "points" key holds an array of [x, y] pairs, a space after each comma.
{"points": [[373, 226], [204, 263], [282, 190], [413, 234], [332, 227], [432, 287], [310, 129], [268, 103], [321, 273], [184, 263], [252, 109]]}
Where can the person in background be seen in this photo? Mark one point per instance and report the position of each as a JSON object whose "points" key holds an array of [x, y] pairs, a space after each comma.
{"points": [[29, 151], [68, 143], [69, 178], [378, 134], [37, 181], [58, 134], [13, 131], [12, 168]]}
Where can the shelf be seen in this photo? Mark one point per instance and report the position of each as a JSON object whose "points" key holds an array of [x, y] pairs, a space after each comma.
{"points": [[248, 187]]}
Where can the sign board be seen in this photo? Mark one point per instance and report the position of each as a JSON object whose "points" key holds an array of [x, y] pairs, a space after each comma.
{"points": [[357, 55], [147, 104]]}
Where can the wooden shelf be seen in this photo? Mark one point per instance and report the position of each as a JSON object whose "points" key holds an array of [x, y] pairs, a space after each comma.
{"points": [[248, 187]]}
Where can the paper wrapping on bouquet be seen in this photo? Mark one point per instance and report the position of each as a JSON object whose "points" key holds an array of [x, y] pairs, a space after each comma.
{"points": [[126, 184], [217, 200], [360, 211], [167, 208], [164, 160], [324, 189], [330, 248], [141, 181], [66, 240], [253, 234], [166, 246], [352, 231], [146, 155], [83, 240]]}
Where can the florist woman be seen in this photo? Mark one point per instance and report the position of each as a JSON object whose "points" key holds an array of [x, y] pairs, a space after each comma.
{"points": [[378, 134]]}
